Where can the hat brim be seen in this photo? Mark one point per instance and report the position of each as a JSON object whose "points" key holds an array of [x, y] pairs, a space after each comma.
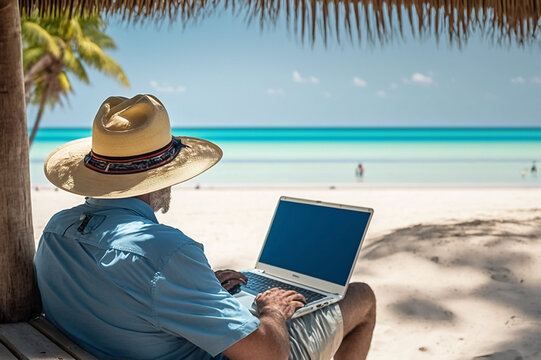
{"points": [[65, 168]]}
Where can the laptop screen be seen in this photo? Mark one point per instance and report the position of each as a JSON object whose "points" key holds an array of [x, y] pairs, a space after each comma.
{"points": [[314, 240]]}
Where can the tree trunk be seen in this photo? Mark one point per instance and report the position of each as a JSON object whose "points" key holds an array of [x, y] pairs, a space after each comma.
{"points": [[19, 298], [46, 61]]}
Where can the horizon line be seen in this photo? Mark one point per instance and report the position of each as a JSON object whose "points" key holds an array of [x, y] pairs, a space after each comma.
{"points": [[321, 127]]}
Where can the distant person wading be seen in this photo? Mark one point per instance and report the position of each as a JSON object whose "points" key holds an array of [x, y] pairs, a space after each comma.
{"points": [[359, 172]]}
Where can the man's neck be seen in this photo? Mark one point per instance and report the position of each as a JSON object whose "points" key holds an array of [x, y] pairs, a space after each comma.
{"points": [[144, 197]]}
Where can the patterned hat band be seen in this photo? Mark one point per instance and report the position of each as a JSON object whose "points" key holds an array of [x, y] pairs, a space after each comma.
{"points": [[133, 164]]}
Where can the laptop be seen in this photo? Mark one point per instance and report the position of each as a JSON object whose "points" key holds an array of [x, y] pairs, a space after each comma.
{"points": [[311, 247]]}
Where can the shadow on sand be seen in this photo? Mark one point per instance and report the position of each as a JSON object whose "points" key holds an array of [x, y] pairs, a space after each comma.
{"points": [[498, 249]]}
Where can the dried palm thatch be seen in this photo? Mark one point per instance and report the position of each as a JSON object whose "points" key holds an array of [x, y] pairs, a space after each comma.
{"points": [[503, 21]]}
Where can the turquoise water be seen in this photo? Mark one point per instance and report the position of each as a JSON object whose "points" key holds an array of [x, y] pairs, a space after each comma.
{"points": [[330, 155]]}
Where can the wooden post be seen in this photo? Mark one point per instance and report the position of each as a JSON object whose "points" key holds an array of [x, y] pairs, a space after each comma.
{"points": [[19, 298]]}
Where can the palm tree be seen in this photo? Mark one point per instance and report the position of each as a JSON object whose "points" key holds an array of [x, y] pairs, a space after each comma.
{"points": [[56, 46], [505, 20]]}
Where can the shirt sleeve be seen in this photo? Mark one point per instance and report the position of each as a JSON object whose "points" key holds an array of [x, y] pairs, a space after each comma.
{"points": [[190, 302]]}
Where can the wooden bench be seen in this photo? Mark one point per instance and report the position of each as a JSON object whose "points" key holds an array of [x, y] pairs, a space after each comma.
{"points": [[38, 339]]}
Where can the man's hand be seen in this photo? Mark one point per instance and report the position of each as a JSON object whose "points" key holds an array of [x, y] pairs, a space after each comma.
{"points": [[278, 302], [271, 339], [230, 278]]}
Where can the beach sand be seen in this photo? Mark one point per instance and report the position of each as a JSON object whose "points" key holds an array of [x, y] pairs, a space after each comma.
{"points": [[456, 271]]}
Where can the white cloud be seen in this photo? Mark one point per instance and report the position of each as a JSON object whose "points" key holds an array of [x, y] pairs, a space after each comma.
{"points": [[536, 79], [422, 79], [418, 78], [394, 86], [518, 80], [303, 80], [357, 81], [167, 88], [381, 93], [271, 91], [327, 94]]}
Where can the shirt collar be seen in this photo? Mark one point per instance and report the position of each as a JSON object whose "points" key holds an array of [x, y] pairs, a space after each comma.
{"points": [[134, 204]]}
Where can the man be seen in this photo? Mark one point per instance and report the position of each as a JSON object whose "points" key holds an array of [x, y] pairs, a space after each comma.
{"points": [[122, 285]]}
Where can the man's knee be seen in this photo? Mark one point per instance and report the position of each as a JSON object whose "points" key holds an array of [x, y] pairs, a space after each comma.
{"points": [[361, 293], [358, 305]]}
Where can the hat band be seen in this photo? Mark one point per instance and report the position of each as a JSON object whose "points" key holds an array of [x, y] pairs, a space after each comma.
{"points": [[133, 164]]}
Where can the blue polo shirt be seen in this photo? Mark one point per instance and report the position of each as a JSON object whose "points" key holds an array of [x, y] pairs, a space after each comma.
{"points": [[121, 285]]}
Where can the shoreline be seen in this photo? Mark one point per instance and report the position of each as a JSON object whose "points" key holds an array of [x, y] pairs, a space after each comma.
{"points": [[336, 185]]}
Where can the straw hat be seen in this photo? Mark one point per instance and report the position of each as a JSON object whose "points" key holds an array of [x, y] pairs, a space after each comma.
{"points": [[131, 152]]}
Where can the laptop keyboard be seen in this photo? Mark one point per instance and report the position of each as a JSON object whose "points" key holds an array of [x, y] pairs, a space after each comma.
{"points": [[261, 284]]}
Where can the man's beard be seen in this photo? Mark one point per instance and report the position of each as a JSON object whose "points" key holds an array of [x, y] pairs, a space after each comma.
{"points": [[160, 200]]}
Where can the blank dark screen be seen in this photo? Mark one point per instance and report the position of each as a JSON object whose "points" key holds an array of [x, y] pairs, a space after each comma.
{"points": [[317, 241]]}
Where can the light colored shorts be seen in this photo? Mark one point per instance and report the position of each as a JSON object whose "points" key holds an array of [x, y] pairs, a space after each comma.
{"points": [[316, 336]]}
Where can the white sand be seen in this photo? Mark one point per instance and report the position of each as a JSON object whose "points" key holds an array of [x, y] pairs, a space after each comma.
{"points": [[457, 271]]}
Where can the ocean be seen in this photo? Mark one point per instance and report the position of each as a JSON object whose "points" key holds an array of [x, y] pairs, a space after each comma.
{"points": [[330, 156]]}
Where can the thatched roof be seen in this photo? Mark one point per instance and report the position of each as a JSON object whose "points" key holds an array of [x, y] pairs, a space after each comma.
{"points": [[504, 21]]}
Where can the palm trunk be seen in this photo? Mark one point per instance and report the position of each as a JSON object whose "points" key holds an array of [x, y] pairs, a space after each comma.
{"points": [[46, 61], [42, 102], [18, 293]]}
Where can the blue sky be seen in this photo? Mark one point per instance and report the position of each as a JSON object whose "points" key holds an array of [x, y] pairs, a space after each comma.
{"points": [[222, 73]]}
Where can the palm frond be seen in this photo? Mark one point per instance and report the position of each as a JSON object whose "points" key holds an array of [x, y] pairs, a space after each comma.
{"points": [[93, 55], [73, 29], [74, 65], [36, 93], [64, 84], [58, 86], [35, 34], [31, 55], [99, 38]]}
